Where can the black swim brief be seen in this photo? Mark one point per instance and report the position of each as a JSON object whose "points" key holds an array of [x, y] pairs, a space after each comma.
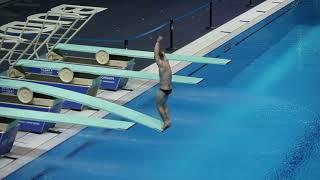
{"points": [[166, 92]]}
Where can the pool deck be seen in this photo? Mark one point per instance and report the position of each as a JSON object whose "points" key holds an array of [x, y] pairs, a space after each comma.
{"points": [[29, 146]]}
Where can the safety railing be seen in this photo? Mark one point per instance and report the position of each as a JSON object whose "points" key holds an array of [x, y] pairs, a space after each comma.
{"points": [[168, 24], [41, 32]]}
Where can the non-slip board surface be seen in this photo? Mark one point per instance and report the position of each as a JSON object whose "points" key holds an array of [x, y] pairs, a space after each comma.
{"points": [[140, 54], [103, 71], [15, 113]]}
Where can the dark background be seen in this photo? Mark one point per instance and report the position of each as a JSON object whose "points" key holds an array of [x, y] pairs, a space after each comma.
{"points": [[128, 18]]}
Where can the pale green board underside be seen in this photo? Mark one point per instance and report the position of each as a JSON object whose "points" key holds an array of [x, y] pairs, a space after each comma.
{"points": [[140, 54], [103, 71], [15, 113], [86, 100]]}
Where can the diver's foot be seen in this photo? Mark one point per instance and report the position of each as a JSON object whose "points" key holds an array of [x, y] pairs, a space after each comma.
{"points": [[166, 125]]}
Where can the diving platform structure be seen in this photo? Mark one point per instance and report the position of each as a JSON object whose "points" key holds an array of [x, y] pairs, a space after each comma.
{"points": [[87, 100], [99, 103], [39, 42]]}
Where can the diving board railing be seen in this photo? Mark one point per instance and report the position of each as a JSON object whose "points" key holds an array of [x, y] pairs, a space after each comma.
{"points": [[72, 17], [86, 13], [102, 71], [139, 54], [28, 46], [87, 100], [59, 25], [14, 113], [11, 43]]}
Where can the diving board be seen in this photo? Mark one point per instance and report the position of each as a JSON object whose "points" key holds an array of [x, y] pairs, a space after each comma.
{"points": [[15, 113], [103, 71], [87, 100], [139, 54]]}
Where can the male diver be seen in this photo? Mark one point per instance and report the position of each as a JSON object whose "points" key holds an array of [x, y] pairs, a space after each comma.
{"points": [[165, 75]]}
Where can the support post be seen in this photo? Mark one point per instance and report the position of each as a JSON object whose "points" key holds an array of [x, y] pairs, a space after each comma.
{"points": [[126, 44], [171, 47], [250, 3], [211, 16]]}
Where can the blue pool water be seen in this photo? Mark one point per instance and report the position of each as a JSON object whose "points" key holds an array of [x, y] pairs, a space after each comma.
{"points": [[257, 118]]}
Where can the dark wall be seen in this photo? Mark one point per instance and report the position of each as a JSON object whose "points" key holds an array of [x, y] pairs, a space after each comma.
{"points": [[129, 18]]}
